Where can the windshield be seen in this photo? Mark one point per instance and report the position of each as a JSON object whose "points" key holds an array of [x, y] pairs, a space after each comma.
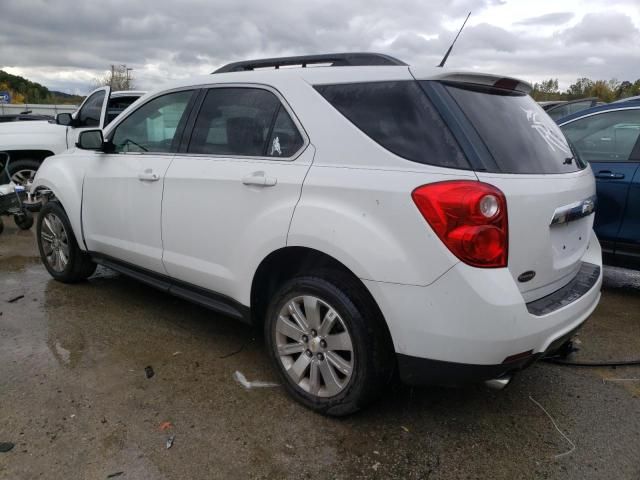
{"points": [[516, 130]]}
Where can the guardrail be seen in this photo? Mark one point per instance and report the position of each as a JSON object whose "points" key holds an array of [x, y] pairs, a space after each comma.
{"points": [[53, 110]]}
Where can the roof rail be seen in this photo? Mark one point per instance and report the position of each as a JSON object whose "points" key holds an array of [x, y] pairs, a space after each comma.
{"points": [[335, 59]]}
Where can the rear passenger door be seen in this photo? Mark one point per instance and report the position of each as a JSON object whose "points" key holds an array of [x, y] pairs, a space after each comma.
{"points": [[606, 140], [230, 193]]}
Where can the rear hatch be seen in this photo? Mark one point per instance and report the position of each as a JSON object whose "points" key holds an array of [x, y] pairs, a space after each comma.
{"points": [[549, 191]]}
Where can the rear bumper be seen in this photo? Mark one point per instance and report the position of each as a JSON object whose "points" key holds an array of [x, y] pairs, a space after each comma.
{"points": [[418, 371], [471, 321]]}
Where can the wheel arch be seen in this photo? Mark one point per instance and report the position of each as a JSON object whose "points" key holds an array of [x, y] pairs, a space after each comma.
{"points": [[287, 262]]}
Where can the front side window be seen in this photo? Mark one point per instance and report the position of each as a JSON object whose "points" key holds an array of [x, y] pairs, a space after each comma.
{"points": [[608, 136], [153, 126], [89, 115], [244, 122]]}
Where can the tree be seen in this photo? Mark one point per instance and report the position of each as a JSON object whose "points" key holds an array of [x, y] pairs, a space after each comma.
{"points": [[546, 90], [580, 89], [119, 78]]}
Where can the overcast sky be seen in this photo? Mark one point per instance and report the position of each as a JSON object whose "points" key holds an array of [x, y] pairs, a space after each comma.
{"points": [[64, 44]]}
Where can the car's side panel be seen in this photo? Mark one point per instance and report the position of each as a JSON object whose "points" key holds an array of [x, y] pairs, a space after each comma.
{"points": [[628, 242], [215, 229], [366, 219]]}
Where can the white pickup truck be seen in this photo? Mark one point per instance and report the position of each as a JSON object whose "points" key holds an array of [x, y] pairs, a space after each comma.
{"points": [[29, 143]]}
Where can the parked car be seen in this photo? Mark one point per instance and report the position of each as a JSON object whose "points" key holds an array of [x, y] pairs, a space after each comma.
{"points": [[559, 109], [29, 143], [370, 218], [23, 117], [608, 138]]}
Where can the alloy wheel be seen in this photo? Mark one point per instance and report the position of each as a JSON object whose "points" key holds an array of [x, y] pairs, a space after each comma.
{"points": [[23, 177], [55, 242], [314, 346]]}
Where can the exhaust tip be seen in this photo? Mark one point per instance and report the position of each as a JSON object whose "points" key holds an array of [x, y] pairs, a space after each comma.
{"points": [[498, 383]]}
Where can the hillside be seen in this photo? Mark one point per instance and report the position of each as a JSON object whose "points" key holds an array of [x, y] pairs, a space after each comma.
{"points": [[26, 91]]}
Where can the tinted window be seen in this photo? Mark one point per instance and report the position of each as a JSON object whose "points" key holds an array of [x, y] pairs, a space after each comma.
{"points": [[569, 108], [517, 131], [285, 138], [90, 112], [400, 117], [607, 136], [152, 127], [238, 121], [116, 106]]}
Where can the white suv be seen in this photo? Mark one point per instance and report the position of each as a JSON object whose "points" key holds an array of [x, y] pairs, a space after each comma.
{"points": [[372, 217]]}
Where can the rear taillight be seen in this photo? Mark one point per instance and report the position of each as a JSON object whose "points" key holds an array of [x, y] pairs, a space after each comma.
{"points": [[469, 217]]}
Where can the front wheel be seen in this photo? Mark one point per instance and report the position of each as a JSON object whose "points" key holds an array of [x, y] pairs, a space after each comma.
{"points": [[59, 250], [328, 344]]}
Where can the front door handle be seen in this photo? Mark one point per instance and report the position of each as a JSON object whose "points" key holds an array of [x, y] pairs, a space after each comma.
{"points": [[148, 176], [259, 179], [609, 174]]}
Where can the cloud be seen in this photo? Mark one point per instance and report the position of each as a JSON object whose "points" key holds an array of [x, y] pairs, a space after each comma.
{"points": [[558, 18], [63, 44], [603, 27]]}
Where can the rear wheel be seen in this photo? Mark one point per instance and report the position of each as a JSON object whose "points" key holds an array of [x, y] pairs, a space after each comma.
{"points": [[328, 344], [59, 250]]}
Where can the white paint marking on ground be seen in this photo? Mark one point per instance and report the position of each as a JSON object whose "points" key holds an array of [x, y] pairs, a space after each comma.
{"points": [[242, 380]]}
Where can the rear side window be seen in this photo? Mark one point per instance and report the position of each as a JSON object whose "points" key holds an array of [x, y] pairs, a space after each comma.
{"points": [[400, 117], [244, 122], [519, 134]]}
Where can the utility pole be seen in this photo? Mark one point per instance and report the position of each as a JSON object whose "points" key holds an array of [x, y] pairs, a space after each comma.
{"points": [[113, 67]]}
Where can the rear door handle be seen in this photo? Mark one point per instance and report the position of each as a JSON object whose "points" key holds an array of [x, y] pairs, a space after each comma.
{"points": [[148, 176], [609, 174], [259, 179]]}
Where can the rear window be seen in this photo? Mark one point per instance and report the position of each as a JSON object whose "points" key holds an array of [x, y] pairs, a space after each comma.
{"points": [[517, 131], [398, 116]]}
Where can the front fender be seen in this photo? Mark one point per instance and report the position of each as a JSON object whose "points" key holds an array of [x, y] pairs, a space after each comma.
{"points": [[63, 175], [50, 138]]}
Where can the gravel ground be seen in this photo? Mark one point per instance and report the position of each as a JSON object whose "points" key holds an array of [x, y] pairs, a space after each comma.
{"points": [[76, 402]]}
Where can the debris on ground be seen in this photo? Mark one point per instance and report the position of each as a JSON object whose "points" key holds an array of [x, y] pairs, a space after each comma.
{"points": [[170, 441], [165, 426], [573, 446], [115, 474], [404, 428], [149, 371], [176, 353], [15, 299], [6, 446], [242, 380], [233, 353], [375, 466]]}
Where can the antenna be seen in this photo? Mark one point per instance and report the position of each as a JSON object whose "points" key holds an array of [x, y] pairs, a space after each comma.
{"points": [[446, 55]]}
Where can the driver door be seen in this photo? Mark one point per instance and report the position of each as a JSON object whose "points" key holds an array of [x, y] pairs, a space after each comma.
{"points": [[122, 193], [91, 114]]}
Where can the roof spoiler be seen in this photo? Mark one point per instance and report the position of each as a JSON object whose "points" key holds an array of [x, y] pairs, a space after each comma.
{"points": [[334, 59], [507, 83]]}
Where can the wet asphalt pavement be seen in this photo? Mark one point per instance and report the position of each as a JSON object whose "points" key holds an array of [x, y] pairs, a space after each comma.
{"points": [[77, 404]]}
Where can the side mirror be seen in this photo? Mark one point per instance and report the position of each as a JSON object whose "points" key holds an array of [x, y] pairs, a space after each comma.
{"points": [[90, 140], [64, 119]]}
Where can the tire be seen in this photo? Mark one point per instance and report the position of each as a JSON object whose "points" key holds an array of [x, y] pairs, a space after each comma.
{"points": [[22, 171], [1, 225], [370, 360], [24, 220], [56, 242]]}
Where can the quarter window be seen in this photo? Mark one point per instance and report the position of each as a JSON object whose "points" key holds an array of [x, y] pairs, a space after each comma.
{"points": [[89, 115], [244, 122], [607, 136], [153, 126]]}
